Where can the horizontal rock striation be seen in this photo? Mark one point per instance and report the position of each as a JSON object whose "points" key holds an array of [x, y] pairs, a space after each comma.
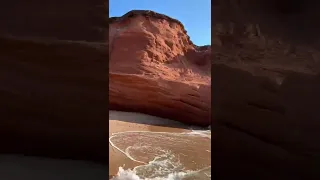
{"points": [[53, 98], [265, 83], [155, 69], [53, 85], [76, 20]]}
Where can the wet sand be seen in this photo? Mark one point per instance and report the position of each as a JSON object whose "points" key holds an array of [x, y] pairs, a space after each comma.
{"points": [[45, 168], [124, 121]]}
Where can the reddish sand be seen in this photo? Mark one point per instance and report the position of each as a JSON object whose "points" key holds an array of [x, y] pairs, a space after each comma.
{"points": [[125, 121]]}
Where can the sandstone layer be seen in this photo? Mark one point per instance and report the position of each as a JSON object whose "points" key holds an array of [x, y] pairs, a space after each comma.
{"points": [[154, 68], [53, 98], [53, 85], [266, 88], [77, 20]]}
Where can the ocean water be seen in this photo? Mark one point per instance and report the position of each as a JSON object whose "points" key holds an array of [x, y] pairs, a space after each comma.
{"points": [[164, 155]]}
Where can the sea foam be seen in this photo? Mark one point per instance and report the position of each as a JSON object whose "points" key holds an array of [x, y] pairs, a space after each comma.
{"points": [[164, 165], [131, 175]]}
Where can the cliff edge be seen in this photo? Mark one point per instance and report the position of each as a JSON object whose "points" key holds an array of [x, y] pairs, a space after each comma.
{"points": [[154, 68]]}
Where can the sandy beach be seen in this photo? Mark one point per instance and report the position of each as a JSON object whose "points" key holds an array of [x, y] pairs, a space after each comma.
{"points": [[125, 130], [131, 128], [125, 121], [133, 123]]}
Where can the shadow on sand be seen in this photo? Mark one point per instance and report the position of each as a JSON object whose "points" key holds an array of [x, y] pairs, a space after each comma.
{"points": [[134, 117]]}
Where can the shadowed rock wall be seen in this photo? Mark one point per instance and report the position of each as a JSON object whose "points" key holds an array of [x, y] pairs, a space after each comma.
{"points": [[265, 79], [53, 85]]}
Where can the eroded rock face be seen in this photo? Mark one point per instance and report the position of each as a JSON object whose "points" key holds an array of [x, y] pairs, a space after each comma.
{"points": [[155, 69], [266, 92], [53, 85], [76, 20], [48, 107]]}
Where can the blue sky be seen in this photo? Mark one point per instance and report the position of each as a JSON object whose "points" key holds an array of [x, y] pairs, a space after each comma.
{"points": [[195, 15]]}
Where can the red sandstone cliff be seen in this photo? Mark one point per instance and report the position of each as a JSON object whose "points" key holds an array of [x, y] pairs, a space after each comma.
{"points": [[155, 69], [76, 20], [53, 98], [53, 79], [266, 90]]}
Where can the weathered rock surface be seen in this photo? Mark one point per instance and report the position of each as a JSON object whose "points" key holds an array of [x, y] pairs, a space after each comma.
{"points": [[155, 69], [266, 88], [53, 85], [77, 20]]}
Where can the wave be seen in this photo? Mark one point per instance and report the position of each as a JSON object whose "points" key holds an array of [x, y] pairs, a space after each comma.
{"points": [[191, 175], [164, 155]]}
